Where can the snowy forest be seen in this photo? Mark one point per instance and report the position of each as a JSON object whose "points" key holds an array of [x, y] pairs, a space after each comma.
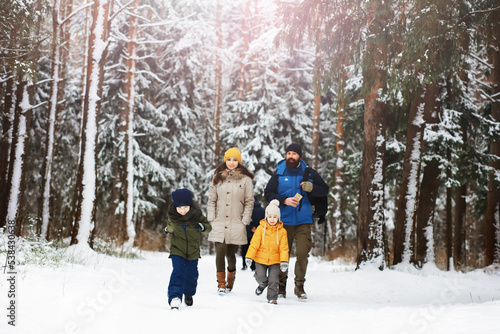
{"points": [[107, 106]]}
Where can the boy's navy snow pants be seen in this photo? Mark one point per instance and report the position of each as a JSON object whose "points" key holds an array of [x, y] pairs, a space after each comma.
{"points": [[184, 277]]}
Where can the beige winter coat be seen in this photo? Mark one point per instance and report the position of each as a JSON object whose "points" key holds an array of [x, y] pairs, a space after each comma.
{"points": [[230, 205]]}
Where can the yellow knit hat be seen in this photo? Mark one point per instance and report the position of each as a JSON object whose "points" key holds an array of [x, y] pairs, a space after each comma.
{"points": [[233, 153]]}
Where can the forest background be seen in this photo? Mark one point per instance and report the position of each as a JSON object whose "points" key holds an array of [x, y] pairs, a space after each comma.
{"points": [[108, 106]]}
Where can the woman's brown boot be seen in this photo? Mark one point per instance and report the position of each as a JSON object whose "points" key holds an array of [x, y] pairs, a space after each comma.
{"points": [[230, 280], [221, 280]]}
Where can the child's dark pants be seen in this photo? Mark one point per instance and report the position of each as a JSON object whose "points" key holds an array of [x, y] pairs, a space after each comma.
{"points": [[184, 278]]}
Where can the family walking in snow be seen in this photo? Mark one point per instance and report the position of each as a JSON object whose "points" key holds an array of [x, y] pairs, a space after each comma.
{"points": [[288, 220]]}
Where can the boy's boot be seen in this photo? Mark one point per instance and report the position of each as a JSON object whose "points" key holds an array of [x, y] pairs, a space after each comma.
{"points": [[282, 290], [230, 280], [221, 280], [299, 291]]}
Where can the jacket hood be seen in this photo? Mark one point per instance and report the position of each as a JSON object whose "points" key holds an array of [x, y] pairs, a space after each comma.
{"points": [[264, 222], [266, 225], [237, 173], [176, 217]]}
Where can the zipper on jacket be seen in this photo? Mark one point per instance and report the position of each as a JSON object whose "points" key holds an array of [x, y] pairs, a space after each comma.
{"points": [[187, 246]]}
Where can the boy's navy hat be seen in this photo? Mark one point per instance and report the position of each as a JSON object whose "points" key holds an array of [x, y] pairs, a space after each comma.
{"points": [[182, 197], [294, 147]]}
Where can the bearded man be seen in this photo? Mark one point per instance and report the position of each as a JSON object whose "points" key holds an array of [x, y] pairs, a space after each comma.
{"points": [[288, 187]]}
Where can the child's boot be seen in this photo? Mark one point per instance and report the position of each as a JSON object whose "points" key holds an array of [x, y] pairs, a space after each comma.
{"points": [[175, 303], [282, 290]]}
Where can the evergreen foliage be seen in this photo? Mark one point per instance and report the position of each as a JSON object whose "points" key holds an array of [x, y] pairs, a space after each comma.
{"points": [[270, 52]]}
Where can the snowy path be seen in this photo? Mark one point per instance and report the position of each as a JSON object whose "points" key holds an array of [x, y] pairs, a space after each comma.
{"points": [[129, 296]]}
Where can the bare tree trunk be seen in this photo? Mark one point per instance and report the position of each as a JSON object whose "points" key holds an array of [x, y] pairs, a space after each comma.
{"points": [[87, 176], [459, 218], [493, 197], [424, 250], [425, 212], [316, 116], [449, 217], [56, 75], [23, 49], [6, 144], [337, 227], [128, 120], [244, 52], [20, 136], [218, 85], [407, 201], [78, 181], [371, 200]]}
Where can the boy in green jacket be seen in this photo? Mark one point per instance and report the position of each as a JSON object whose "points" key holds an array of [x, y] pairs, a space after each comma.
{"points": [[186, 223]]}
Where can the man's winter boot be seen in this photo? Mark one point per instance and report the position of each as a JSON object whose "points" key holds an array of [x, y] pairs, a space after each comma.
{"points": [[299, 291], [221, 280], [282, 290], [188, 300], [230, 280]]}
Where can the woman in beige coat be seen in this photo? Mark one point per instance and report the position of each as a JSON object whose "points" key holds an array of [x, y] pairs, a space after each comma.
{"points": [[230, 205]]}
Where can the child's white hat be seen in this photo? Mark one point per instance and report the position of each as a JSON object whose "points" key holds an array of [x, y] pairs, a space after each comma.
{"points": [[273, 209]]}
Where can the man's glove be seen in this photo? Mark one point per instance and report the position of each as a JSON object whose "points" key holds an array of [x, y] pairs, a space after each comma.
{"points": [[307, 186], [284, 266], [248, 262], [199, 226]]}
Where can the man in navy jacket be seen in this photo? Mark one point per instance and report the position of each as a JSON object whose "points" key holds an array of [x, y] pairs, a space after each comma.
{"points": [[288, 187]]}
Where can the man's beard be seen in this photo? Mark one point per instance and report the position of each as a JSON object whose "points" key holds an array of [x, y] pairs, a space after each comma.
{"points": [[292, 163]]}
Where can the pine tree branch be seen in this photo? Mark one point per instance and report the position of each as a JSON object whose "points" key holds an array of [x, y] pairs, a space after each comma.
{"points": [[484, 11], [76, 11]]}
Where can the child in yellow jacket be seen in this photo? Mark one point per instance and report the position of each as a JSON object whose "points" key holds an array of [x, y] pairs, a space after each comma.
{"points": [[269, 249]]}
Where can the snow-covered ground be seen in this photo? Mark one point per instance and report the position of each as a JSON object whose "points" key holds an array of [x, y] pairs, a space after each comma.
{"points": [[113, 295]]}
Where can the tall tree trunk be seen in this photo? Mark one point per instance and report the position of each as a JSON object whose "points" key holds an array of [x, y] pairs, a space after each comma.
{"points": [[449, 217], [316, 114], [371, 246], [337, 228], [26, 51], [218, 84], [6, 144], [459, 217], [244, 51], [79, 173], [371, 200], [17, 170], [424, 250], [56, 75], [87, 174], [493, 197], [407, 201], [128, 121]]}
